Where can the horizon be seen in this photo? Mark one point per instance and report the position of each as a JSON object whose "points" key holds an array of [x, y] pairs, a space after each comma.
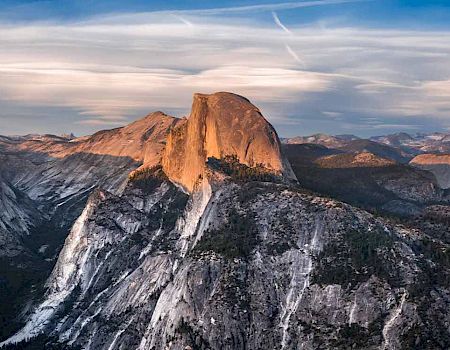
{"points": [[412, 134], [323, 66], [224, 174]]}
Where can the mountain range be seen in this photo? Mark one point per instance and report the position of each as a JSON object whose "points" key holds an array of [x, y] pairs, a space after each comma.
{"points": [[426, 151], [208, 232]]}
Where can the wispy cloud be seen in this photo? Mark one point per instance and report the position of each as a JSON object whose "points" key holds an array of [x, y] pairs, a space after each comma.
{"points": [[278, 22], [106, 70], [294, 55], [291, 52], [101, 122], [270, 7], [184, 20], [227, 11], [332, 114]]}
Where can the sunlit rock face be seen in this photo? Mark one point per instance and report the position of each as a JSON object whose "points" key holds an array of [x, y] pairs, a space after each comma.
{"points": [[142, 141], [438, 164], [241, 260], [221, 124]]}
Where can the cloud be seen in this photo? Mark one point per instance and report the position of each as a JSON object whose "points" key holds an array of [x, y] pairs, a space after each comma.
{"points": [[100, 122], [114, 68], [332, 114], [184, 20], [272, 7], [438, 89], [279, 24], [233, 10], [294, 55]]}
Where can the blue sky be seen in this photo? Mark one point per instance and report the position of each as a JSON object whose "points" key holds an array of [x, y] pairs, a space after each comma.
{"points": [[410, 13], [334, 66]]}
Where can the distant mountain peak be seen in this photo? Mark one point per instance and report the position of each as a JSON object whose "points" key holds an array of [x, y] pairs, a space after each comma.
{"points": [[322, 139], [69, 136]]}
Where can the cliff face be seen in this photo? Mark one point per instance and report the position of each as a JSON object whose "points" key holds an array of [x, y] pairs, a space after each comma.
{"points": [[45, 181], [240, 266], [438, 164], [221, 124], [235, 264]]}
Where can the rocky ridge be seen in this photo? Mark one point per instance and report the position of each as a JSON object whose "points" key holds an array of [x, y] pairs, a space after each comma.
{"points": [[45, 181], [242, 260], [238, 266]]}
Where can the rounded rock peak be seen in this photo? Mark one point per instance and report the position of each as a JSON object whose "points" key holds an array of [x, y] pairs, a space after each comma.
{"points": [[221, 124], [221, 95]]}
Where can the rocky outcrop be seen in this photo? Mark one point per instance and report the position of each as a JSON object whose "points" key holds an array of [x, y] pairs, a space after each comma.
{"points": [[234, 264], [432, 159], [240, 266], [221, 124], [438, 164], [45, 181]]}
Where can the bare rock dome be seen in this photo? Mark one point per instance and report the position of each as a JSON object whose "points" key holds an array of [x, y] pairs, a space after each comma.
{"points": [[221, 124]]}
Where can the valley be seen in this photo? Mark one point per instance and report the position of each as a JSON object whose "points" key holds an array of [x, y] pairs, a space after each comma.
{"points": [[209, 232]]}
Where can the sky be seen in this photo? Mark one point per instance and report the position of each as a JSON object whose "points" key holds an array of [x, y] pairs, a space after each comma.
{"points": [[333, 66]]}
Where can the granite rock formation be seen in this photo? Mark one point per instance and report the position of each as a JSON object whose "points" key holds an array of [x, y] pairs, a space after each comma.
{"points": [[221, 124], [207, 252]]}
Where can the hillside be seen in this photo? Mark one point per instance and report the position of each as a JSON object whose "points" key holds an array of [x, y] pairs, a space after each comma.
{"points": [[438, 164], [247, 258]]}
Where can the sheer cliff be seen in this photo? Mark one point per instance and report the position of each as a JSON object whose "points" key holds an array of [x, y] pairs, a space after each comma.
{"points": [[45, 181], [221, 124], [214, 249], [248, 265]]}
